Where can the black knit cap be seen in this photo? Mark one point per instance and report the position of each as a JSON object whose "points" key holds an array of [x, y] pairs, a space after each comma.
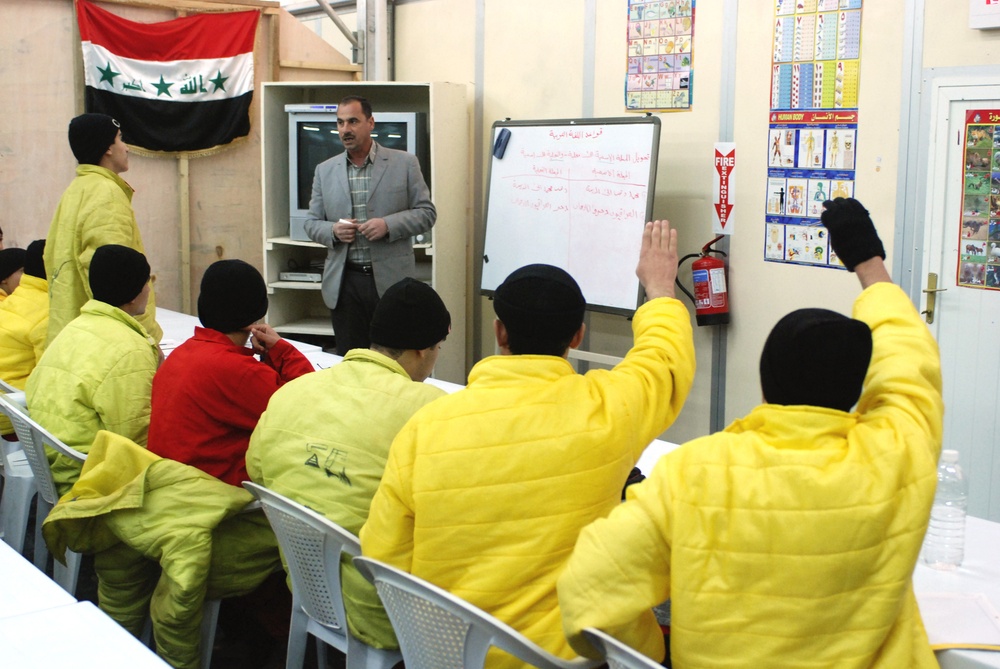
{"points": [[410, 316], [233, 296], [816, 357], [117, 274], [540, 302], [34, 265], [11, 260], [90, 135]]}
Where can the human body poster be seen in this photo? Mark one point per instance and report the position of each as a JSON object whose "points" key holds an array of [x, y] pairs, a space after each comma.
{"points": [[660, 55], [813, 129], [979, 243]]}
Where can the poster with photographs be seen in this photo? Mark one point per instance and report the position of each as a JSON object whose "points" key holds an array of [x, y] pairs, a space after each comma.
{"points": [[979, 243], [660, 55], [813, 131]]}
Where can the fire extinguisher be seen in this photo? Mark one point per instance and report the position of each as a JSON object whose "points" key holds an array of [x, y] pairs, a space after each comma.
{"points": [[710, 298]]}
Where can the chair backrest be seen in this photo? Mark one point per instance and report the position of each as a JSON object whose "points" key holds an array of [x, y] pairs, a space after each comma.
{"points": [[437, 630], [34, 438], [312, 545], [618, 655]]}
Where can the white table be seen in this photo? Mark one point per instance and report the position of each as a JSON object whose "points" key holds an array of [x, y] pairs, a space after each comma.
{"points": [[24, 589], [76, 635], [178, 327], [979, 573]]}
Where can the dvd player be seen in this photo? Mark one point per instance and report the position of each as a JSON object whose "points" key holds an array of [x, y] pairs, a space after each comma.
{"points": [[314, 277]]}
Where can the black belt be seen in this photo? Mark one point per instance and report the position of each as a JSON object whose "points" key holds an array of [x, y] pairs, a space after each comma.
{"points": [[361, 269]]}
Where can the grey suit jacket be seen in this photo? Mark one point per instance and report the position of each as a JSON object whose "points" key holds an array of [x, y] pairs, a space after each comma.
{"points": [[397, 193]]}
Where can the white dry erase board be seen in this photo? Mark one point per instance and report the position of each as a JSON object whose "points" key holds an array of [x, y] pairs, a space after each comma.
{"points": [[574, 194]]}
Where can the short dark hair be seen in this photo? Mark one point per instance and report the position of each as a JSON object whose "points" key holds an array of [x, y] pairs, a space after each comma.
{"points": [[366, 106], [519, 344]]}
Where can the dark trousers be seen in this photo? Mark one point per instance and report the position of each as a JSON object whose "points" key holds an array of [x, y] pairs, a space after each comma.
{"points": [[353, 316]]}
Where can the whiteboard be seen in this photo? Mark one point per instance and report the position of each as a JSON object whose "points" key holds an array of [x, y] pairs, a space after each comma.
{"points": [[574, 194]]}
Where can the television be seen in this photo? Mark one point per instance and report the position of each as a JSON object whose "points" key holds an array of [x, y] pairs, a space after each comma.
{"points": [[313, 137]]}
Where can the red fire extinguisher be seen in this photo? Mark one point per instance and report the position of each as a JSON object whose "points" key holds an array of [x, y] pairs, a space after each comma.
{"points": [[711, 297]]}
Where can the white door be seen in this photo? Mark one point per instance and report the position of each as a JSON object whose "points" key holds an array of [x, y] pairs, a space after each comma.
{"points": [[966, 319]]}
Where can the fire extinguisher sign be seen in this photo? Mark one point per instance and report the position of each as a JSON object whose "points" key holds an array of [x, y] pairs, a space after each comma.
{"points": [[725, 188]]}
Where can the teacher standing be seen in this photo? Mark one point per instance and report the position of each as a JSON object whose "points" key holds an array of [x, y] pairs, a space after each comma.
{"points": [[367, 203]]}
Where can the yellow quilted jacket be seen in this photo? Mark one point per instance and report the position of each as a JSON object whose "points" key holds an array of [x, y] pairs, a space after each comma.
{"points": [[96, 209], [24, 320], [790, 538], [487, 489]]}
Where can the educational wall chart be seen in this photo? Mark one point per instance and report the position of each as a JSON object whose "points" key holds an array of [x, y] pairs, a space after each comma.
{"points": [[813, 129], [979, 243], [660, 54]]}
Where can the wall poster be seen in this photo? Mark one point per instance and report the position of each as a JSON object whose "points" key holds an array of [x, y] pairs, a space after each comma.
{"points": [[979, 243], [660, 55], [813, 129]]}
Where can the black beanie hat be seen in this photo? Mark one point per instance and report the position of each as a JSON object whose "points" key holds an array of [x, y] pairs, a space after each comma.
{"points": [[90, 135], [34, 265], [409, 316], [11, 260], [540, 302], [233, 296], [117, 274], [816, 357]]}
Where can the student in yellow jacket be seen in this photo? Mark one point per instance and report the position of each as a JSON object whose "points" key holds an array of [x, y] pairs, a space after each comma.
{"points": [[789, 539], [98, 373], [95, 210], [487, 489], [325, 437]]}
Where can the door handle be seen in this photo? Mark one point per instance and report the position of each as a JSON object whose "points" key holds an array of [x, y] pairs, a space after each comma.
{"points": [[931, 291]]}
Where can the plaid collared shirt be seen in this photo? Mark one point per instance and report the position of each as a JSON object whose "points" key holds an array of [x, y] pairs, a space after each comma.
{"points": [[358, 178]]}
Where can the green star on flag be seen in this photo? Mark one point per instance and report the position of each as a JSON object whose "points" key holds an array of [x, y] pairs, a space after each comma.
{"points": [[163, 88], [108, 74], [219, 81]]}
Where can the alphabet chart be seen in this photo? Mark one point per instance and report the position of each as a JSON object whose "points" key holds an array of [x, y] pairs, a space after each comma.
{"points": [[812, 135], [660, 55], [979, 237]]}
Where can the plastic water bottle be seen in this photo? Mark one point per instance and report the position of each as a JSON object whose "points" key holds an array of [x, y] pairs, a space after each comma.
{"points": [[944, 545]]}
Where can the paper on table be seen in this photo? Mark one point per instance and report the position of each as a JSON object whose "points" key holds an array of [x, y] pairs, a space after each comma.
{"points": [[960, 620]]}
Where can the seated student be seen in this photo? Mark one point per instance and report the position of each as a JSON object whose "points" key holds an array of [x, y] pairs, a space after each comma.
{"points": [[486, 489], [11, 269], [324, 438], [98, 372], [788, 539], [210, 392]]}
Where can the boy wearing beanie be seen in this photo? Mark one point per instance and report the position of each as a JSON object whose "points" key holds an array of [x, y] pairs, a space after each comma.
{"points": [[487, 489], [11, 269], [210, 392], [789, 538], [95, 210], [324, 438], [98, 373]]}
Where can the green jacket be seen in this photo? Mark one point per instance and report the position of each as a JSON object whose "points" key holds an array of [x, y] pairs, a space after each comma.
{"points": [[96, 209], [166, 537], [329, 454], [24, 321], [97, 375]]}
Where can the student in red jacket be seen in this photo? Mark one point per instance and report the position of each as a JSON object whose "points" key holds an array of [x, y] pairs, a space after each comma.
{"points": [[209, 394]]}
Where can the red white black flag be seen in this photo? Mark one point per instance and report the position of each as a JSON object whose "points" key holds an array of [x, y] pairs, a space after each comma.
{"points": [[179, 85]]}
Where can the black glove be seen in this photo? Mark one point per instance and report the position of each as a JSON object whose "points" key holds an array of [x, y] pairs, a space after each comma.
{"points": [[634, 476], [852, 233]]}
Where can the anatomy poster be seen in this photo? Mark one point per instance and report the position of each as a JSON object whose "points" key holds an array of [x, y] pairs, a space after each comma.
{"points": [[979, 243], [660, 55], [813, 129]]}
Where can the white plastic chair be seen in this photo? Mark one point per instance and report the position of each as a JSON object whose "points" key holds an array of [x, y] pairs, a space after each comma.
{"points": [[312, 545], [34, 438], [618, 655], [18, 488], [437, 630]]}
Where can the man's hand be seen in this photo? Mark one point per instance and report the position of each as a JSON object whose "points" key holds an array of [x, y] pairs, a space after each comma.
{"points": [[345, 230], [263, 337], [374, 229], [657, 268], [852, 233]]}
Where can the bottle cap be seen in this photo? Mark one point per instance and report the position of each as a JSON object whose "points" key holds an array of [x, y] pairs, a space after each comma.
{"points": [[949, 455]]}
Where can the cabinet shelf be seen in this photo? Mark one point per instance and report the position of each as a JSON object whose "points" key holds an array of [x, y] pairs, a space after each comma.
{"points": [[288, 241], [306, 326], [296, 285]]}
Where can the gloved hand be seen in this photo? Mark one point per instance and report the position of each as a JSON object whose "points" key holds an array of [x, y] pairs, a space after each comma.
{"points": [[852, 233]]}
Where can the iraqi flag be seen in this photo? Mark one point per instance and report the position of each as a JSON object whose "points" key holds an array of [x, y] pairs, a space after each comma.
{"points": [[179, 85]]}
